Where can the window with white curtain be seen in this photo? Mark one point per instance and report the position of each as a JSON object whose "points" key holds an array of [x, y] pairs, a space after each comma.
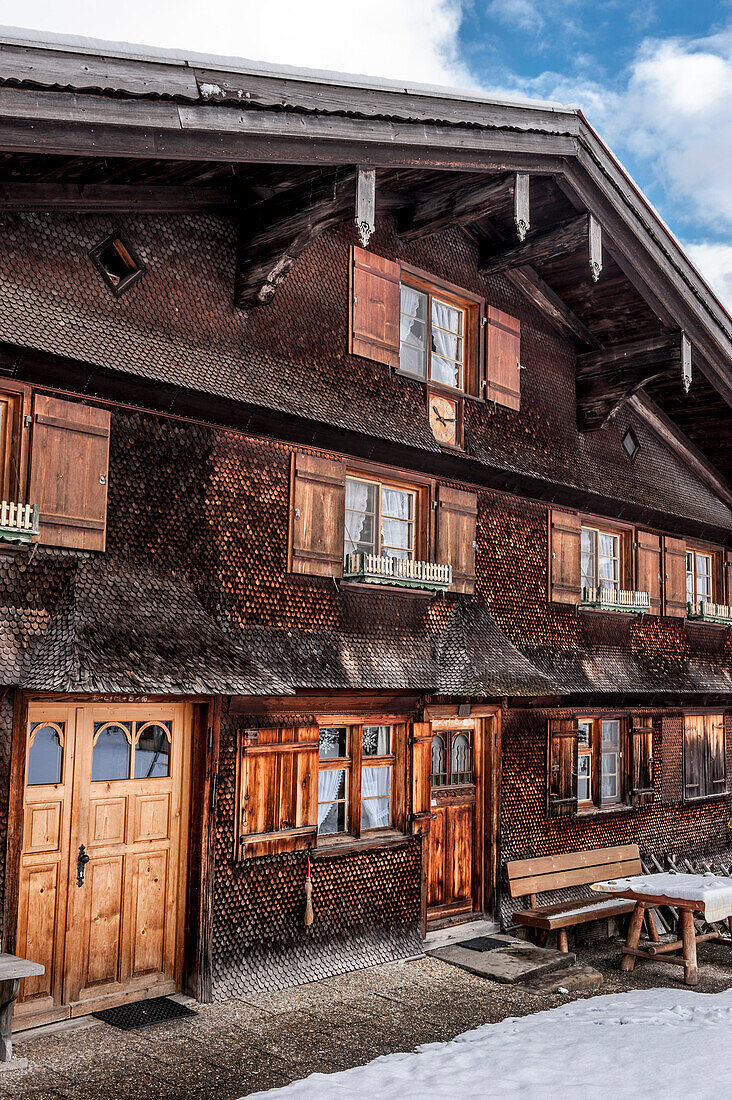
{"points": [[380, 519], [600, 558], [432, 337], [356, 779]]}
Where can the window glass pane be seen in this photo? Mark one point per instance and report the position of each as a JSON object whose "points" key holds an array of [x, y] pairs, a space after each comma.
{"points": [[413, 332], [703, 577], [376, 740], [611, 732], [608, 559], [445, 371], [111, 753], [397, 522], [413, 360], [583, 778], [690, 578], [361, 507], [609, 780], [585, 733], [333, 742], [376, 797], [45, 758], [152, 753], [332, 801], [461, 764], [589, 558], [439, 768]]}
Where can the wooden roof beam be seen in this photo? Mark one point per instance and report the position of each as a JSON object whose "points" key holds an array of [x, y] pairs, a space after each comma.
{"points": [[554, 309], [547, 244], [609, 377], [107, 198], [431, 214]]}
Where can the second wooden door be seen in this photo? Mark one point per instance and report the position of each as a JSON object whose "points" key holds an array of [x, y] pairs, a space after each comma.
{"points": [[454, 850]]}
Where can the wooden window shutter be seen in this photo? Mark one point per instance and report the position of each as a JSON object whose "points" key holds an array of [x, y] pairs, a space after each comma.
{"points": [[457, 514], [421, 769], [648, 567], [317, 515], [674, 568], [728, 576], [565, 541], [69, 472], [562, 777], [277, 790], [503, 358], [694, 752], [716, 769], [641, 760], [374, 307]]}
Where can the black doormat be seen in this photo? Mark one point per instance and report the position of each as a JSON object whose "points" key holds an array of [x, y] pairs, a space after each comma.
{"points": [[144, 1013], [482, 943]]}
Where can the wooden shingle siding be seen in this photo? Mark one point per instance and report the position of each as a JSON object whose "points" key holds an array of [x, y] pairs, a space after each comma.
{"points": [[374, 307], [562, 771], [457, 513], [317, 515], [674, 562], [564, 556], [648, 567], [69, 470], [503, 358]]}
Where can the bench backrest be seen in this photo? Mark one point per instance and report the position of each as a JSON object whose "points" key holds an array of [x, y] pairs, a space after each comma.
{"points": [[535, 876]]}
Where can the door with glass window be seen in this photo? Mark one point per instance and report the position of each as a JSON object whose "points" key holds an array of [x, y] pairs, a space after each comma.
{"points": [[453, 889], [103, 866]]}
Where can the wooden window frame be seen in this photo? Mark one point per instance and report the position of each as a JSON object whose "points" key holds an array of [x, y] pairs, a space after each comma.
{"points": [[715, 556], [595, 803], [95, 255], [473, 308], [424, 490], [622, 534], [706, 794], [383, 483], [14, 440], [353, 765]]}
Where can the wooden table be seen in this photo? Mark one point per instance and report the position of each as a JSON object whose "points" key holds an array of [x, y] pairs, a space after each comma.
{"points": [[12, 969], [710, 895]]}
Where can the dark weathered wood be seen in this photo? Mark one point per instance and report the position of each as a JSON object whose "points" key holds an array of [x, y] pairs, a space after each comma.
{"points": [[562, 780], [14, 844], [552, 306], [433, 213], [539, 246], [608, 377], [112, 198], [641, 760]]}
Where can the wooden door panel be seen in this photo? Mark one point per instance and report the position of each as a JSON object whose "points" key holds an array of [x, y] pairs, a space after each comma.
{"points": [[42, 831], [438, 834], [107, 817], [152, 817], [460, 860], [38, 904], [104, 886], [149, 890]]}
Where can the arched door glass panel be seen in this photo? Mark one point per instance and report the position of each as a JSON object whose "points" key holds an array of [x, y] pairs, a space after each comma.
{"points": [[461, 764], [111, 755], [439, 761], [152, 751], [45, 757]]}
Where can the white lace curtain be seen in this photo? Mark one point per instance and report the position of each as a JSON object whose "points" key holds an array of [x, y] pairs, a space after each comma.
{"points": [[375, 797], [329, 787], [445, 343], [357, 500]]}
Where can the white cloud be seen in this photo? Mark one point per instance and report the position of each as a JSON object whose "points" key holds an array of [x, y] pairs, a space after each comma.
{"points": [[414, 40], [524, 14], [714, 262]]}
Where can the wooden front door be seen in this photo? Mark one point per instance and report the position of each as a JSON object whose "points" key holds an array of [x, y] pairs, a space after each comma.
{"points": [[455, 849], [103, 866]]}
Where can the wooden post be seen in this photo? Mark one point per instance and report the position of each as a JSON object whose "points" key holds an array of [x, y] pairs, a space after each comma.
{"points": [[14, 844], [688, 937], [563, 942], [633, 939]]}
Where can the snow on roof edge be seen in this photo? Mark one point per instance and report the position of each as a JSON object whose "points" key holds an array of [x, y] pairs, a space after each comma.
{"points": [[21, 36]]}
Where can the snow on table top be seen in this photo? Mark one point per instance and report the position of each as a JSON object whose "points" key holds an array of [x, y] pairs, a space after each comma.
{"points": [[676, 1047], [713, 892]]}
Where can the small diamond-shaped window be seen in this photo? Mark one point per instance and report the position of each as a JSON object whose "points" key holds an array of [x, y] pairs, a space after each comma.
{"points": [[117, 263], [631, 446]]}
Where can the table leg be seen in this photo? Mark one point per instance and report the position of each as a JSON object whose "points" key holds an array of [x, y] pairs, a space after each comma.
{"points": [[633, 938], [729, 925], [688, 936], [651, 922], [8, 992]]}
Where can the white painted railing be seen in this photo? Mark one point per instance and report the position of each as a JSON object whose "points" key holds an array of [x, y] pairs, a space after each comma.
{"points": [[18, 517], [714, 612], [617, 598], [404, 570]]}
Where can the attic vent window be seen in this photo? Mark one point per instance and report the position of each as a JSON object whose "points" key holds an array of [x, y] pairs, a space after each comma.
{"points": [[631, 446], [117, 263]]}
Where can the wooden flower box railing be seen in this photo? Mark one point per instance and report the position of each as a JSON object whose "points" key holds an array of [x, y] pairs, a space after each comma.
{"points": [[707, 612], [400, 572], [18, 522], [616, 599]]}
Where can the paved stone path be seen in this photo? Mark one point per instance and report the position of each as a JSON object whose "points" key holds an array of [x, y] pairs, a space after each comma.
{"points": [[235, 1048]]}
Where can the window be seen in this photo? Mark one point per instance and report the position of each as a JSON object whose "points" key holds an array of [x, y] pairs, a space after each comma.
{"points": [[380, 519], [600, 558], [698, 577], [705, 772], [599, 762], [117, 263], [356, 778], [631, 446], [46, 754], [126, 750], [9, 466], [432, 335], [452, 758]]}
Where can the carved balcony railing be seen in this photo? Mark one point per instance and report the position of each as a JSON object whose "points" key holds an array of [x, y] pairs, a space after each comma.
{"points": [[18, 522], [398, 572], [616, 599], [705, 611]]}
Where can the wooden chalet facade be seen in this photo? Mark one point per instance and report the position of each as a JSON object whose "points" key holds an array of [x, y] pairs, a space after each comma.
{"points": [[366, 504]]}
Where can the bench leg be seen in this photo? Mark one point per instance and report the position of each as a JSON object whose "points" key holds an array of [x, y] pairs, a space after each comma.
{"points": [[688, 936], [562, 940], [9, 990], [633, 938], [541, 936]]}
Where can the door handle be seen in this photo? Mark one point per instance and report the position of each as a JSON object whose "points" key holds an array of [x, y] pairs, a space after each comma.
{"points": [[81, 861]]}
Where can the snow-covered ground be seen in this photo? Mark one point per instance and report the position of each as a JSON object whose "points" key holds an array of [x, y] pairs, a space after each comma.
{"points": [[666, 1043]]}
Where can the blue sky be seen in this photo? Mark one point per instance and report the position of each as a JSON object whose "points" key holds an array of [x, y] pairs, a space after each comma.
{"points": [[653, 76]]}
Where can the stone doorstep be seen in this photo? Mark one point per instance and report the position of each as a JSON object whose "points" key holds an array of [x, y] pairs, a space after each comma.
{"points": [[456, 933], [579, 978], [15, 1063], [518, 961]]}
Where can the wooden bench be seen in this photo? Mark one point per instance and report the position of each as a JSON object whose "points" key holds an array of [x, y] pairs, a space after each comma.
{"points": [[530, 877]]}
